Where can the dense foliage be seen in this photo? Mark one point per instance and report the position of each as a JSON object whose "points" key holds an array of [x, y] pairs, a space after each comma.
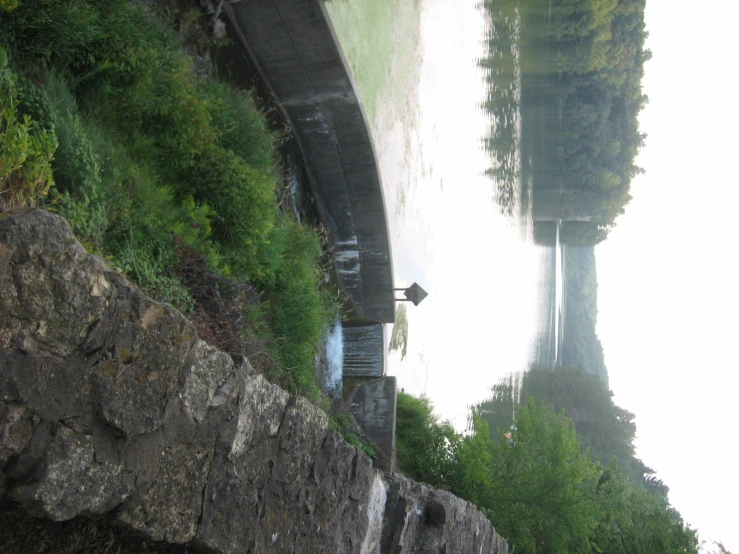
{"points": [[425, 448], [169, 174], [541, 479], [26, 149], [604, 429], [564, 85]]}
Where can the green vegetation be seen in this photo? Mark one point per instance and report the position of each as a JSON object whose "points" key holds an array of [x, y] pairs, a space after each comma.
{"points": [[399, 336], [425, 448], [577, 67], [26, 150], [169, 175], [549, 484], [718, 548], [344, 424], [606, 430], [582, 347]]}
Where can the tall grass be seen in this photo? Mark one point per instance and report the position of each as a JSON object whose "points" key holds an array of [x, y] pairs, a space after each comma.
{"points": [[154, 161]]}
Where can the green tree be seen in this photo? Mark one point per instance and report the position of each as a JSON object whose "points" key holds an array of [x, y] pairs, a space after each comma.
{"points": [[719, 548], [634, 521], [426, 448], [535, 485], [564, 111]]}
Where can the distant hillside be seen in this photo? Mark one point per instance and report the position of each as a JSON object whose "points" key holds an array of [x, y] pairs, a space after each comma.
{"points": [[581, 346]]}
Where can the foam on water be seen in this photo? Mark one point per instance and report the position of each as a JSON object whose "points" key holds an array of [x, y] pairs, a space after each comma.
{"points": [[334, 358]]}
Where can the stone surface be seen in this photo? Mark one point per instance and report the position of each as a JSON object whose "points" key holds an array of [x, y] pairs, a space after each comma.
{"points": [[110, 407], [15, 430], [72, 482]]}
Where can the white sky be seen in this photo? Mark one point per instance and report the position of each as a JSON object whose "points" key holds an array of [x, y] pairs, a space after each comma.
{"points": [[669, 273]]}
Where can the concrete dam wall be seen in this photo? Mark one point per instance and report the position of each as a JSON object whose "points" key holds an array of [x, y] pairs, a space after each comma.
{"points": [[294, 47]]}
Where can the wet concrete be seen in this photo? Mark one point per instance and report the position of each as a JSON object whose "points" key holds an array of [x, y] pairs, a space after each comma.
{"points": [[373, 404], [364, 347]]}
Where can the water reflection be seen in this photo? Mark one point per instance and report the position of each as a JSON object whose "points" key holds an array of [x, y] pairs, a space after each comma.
{"points": [[501, 66], [471, 247]]}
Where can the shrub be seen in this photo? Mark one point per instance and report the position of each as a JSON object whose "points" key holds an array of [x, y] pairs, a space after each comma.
{"points": [[155, 163], [8, 5], [345, 425], [241, 126], [26, 149], [426, 448], [300, 314]]}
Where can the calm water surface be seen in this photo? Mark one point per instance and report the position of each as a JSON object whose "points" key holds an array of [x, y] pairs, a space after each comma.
{"points": [[489, 285]]}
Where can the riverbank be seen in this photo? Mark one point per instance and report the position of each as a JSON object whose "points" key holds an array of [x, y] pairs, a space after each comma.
{"points": [[171, 174]]}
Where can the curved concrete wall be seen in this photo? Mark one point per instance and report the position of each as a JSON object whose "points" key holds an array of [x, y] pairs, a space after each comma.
{"points": [[295, 49]]}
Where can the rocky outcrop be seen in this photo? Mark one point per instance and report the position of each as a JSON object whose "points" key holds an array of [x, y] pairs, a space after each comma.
{"points": [[110, 406]]}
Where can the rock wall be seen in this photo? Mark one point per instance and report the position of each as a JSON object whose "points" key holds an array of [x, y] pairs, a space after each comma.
{"points": [[110, 406]]}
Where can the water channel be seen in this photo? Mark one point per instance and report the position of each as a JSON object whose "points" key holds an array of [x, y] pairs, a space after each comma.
{"points": [[493, 305]]}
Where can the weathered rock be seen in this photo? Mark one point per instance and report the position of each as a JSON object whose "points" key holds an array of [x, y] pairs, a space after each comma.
{"points": [[15, 430], [72, 482], [110, 406], [51, 290], [420, 519]]}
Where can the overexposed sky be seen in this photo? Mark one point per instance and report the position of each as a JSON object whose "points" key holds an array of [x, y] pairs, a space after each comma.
{"points": [[668, 275]]}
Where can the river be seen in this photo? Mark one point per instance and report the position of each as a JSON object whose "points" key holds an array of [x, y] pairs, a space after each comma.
{"points": [[491, 290]]}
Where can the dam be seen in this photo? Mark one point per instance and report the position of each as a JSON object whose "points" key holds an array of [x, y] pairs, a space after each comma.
{"points": [[294, 48]]}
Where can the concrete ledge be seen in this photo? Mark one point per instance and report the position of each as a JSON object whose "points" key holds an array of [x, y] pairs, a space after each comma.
{"points": [[373, 404], [295, 49]]}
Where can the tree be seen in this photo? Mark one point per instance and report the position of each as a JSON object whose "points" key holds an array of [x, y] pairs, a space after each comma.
{"points": [[539, 487], [425, 448], [719, 548], [535, 485], [634, 521]]}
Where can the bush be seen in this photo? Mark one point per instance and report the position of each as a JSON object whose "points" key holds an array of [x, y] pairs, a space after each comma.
{"points": [[425, 447], [26, 149], [241, 126], [155, 163], [8, 5], [345, 425]]}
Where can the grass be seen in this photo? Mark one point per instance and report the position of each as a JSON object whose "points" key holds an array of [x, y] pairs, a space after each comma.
{"points": [[347, 427], [162, 171]]}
